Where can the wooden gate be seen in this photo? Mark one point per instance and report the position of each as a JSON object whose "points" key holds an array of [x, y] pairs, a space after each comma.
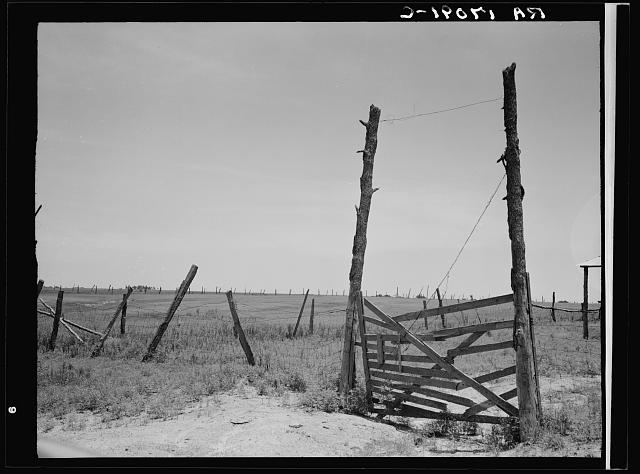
{"points": [[426, 384]]}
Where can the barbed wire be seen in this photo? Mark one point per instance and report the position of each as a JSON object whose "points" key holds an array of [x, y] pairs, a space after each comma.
{"points": [[566, 310]]}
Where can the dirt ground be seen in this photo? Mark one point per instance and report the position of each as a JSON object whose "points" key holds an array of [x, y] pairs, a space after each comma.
{"points": [[241, 423]]}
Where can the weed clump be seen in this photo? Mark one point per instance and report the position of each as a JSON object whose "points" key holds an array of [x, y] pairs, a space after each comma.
{"points": [[504, 436]]}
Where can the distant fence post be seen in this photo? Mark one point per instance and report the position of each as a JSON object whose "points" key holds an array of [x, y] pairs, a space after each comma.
{"points": [[585, 305], [300, 315], [424, 306], [39, 288], [160, 291], [311, 316], [172, 310], [553, 309], [440, 306], [238, 328], [56, 321], [123, 318], [100, 343]]}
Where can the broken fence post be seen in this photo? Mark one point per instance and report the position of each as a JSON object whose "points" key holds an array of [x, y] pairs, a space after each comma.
{"points": [[172, 310], [300, 315]]}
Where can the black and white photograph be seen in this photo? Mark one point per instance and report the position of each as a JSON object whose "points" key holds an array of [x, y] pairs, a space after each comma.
{"points": [[340, 239]]}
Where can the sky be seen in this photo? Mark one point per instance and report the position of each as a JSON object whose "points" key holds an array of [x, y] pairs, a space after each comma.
{"points": [[232, 146]]}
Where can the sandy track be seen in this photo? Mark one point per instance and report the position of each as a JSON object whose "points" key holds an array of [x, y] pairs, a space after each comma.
{"points": [[242, 423]]}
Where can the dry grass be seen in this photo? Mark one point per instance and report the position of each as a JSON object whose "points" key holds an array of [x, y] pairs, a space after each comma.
{"points": [[200, 356]]}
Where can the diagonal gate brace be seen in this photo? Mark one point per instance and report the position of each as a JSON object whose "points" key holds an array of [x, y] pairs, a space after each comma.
{"points": [[488, 394]]}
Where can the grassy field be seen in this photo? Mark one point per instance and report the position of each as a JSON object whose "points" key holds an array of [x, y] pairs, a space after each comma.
{"points": [[200, 356]]}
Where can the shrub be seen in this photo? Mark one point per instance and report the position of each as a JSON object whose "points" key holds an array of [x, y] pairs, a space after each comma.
{"points": [[322, 399], [296, 383], [503, 436]]}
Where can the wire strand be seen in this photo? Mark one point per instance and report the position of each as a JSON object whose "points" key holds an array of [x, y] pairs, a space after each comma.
{"points": [[446, 275], [407, 117]]}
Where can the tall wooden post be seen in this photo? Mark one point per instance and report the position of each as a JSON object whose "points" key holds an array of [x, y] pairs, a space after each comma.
{"points": [[39, 288], [123, 316], [585, 305], [553, 307], [347, 376], [56, 321], [525, 370], [313, 301], [300, 315], [182, 290]]}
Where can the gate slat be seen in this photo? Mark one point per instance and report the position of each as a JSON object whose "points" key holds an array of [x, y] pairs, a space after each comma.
{"points": [[488, 404], [416, 412], [455, 308], [407, 369], [481, 348], [458, 400], [410, 398], [405, 357], [451, 385]]}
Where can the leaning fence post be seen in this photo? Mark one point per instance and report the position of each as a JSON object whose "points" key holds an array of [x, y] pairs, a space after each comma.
{"points": [[238, 328], [39, 288], [172, 310], [100, 343], [553, 309], [440, 306], [56, 321], [123, 318], [300, 315], [311, 316]]}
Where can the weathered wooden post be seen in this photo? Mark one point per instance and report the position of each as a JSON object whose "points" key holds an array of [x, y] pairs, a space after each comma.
{"points": [[182, 290], [440, 306], [311, 316], [525, 370], [300, 315], [553, 309], [39, 288], [424, 306], [585, 305], [238, 328], [363, 346], [56, 321], [123, 317], [359, 246]]}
